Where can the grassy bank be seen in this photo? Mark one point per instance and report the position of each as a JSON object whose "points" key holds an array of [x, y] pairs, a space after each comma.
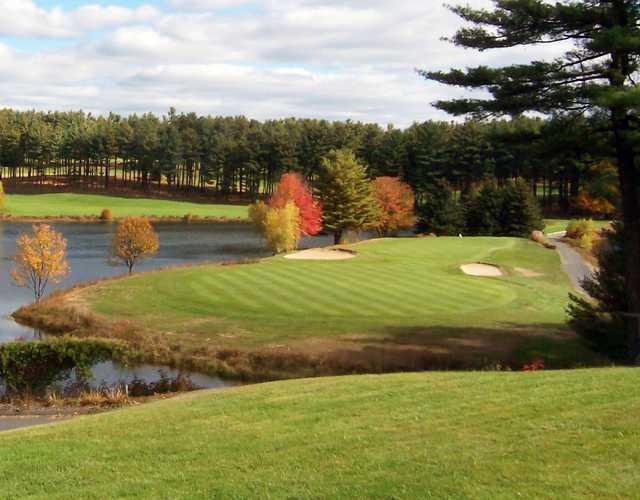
{"points": [[455, 435], [400, 304], [86, 205]]}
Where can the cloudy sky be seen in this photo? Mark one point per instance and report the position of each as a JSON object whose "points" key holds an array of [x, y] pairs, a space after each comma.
{"points": [[263, 58]]}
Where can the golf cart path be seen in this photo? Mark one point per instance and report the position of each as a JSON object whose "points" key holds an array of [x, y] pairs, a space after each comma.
{"points": [[572, 262]]}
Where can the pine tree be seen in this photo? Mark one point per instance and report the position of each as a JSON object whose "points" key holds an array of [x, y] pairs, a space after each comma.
{"points": [[345, 193], [598, 75]]}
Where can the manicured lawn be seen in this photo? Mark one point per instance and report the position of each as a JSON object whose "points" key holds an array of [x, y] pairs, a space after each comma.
{"points": [[567, 434], [83, 205], [403, 292], [558, 225]]}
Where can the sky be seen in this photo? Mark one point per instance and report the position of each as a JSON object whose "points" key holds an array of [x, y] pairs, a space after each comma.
{"points": [[338, 60]]}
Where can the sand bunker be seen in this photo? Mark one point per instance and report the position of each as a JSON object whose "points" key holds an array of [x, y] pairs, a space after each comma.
{"points": [[321, 254], [484, 270]]}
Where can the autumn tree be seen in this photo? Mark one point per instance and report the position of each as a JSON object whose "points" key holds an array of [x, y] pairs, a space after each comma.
{"points": [[292, 187], [1, 198], [345, 194], [597, 76], [395, 202], [134, 241], [258, 215], [40, 259], [282, 228]]}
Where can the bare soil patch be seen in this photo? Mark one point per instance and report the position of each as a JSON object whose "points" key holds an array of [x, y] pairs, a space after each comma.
{"points": [[527, 273]]}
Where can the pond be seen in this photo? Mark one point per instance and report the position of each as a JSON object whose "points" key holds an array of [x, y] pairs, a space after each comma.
{"points": [[88, 244]]}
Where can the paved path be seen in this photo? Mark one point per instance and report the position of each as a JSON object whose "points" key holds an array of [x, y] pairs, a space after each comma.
{"points": [[572, 262], [9, 423]]}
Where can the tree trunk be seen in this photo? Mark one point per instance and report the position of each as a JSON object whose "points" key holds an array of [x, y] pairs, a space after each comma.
{"points": [[337, 236], [629, 185]]}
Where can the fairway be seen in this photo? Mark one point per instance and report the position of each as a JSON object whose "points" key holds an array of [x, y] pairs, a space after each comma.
{"points": [[566, 434], [405, 292], [88, 205]]}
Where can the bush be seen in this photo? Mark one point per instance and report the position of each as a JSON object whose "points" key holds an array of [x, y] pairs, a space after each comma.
{"points": [[258, 215], [600, 321], [106, 215], [28, 368], [1, 198], [187, 217], [582, 232]]}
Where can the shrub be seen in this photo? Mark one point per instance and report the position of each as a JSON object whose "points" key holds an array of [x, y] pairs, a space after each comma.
{"points": [[281, 228], [582, 232], [187, 217], [30, 367], [106, 215], [1, 198]]}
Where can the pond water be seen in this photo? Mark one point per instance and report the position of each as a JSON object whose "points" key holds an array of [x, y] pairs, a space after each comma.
{"points": [[87, 246]]}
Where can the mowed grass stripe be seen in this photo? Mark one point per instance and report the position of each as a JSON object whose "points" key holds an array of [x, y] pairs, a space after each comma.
{"points": [[391, 284]]}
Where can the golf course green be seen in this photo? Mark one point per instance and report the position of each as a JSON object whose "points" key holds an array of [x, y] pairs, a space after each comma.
{"points": [[90, 205], [564, 434], [397, 296]]}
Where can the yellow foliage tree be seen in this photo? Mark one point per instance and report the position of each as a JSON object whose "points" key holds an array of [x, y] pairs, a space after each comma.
{"points": [[258, 214], [41, 259], [1, 198], [134, 241], [282, 228]]}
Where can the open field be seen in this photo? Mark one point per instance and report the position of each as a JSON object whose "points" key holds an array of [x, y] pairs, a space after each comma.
{"points": [[86, 205], [558, 225], [566, 434], [400, 304]]}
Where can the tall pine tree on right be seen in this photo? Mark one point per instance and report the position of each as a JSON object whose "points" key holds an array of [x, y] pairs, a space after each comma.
{"points": [[596, 76]]}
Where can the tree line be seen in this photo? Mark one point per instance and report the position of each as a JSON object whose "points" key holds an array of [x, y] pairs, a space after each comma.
{"points": [[187, 153]]}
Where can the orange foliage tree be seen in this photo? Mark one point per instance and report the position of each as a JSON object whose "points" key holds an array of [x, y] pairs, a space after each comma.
{"points": [[133, 241], [600, 195], [292, 187], [395, 203], [41, 259]]}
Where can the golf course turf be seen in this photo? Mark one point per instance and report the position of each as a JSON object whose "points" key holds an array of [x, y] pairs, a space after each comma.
{"points": [[563, 434], [399, 305], [90, 205]]}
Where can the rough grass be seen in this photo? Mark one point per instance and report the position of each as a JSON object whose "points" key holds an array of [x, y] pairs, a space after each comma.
{"points": [[401, 304], [568, 435], [89, 205]]}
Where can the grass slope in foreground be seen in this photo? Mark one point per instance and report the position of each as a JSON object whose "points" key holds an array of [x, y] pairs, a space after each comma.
{"points": [[397, 297], [89, 205], [571, 434]]}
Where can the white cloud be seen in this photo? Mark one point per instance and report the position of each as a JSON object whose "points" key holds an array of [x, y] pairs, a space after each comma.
{"points": [[314, 58]]}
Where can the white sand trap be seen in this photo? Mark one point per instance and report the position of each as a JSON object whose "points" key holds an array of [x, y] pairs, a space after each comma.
{"points": [[484, 270], [527, 273], [321, 254]]}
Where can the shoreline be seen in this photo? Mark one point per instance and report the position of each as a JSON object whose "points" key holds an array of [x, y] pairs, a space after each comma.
{"points": [[94, 219]]}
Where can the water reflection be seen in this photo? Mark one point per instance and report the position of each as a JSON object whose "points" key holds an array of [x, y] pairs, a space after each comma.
{"points": [[88, 245]]}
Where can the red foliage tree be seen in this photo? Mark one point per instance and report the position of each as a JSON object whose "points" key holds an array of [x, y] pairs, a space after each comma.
{"points": [[293, 188], [395, 202]]}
